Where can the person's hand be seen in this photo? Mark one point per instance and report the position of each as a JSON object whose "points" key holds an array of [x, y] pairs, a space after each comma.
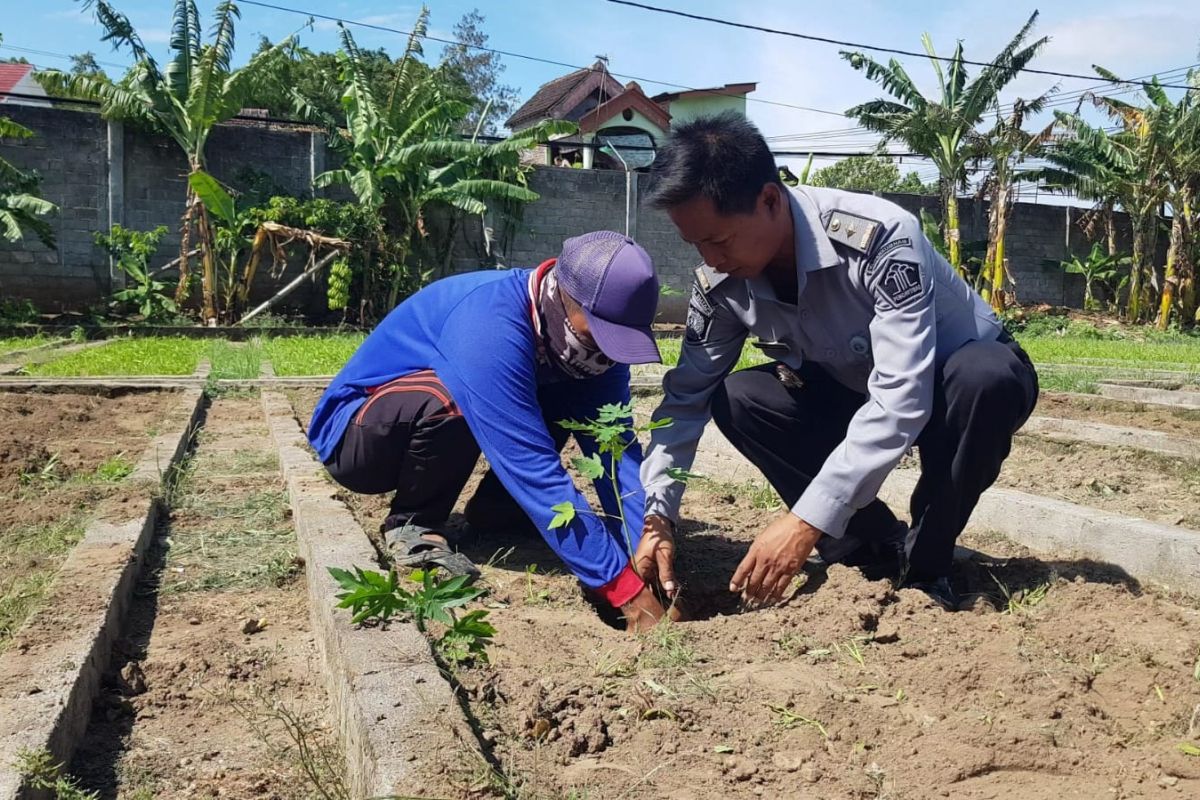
{"points": [[643, 611], [774, 559], [654, 559]]}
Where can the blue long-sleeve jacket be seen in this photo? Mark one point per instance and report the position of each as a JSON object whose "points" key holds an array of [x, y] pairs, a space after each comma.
{"points": [[476, 332]]}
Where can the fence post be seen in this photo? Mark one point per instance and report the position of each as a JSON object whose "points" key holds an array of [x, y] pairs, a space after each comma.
{"points": [[316, 160], [116, 194]]}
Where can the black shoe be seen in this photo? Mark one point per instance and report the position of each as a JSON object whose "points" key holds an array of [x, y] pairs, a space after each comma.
{"points": [[939, 590], [881, 557]]}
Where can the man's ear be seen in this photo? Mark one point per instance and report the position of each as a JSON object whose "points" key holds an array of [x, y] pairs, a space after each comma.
{"points": [[771, 198]]}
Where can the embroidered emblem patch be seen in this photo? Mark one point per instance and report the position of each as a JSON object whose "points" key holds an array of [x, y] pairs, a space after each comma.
{"points": [[699, 318], [900, 282], [889, 247]]}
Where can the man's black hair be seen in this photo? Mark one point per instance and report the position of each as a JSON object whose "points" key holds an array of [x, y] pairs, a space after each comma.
{"points": [[721, 157]]}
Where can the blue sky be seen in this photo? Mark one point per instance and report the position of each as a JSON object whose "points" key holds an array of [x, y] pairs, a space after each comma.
{"points": [[1132, 39]]}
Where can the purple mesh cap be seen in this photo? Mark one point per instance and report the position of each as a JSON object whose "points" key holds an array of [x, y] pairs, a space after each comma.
{"points": [[613, 279]]}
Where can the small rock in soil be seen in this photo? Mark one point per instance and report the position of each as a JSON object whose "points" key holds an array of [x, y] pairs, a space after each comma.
{"points": [[133, 680], [810, 773], [253, 626], [193, 620], [789, 761], [740, 769]]}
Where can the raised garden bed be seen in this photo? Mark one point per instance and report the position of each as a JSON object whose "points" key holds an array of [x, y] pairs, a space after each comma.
{"points": [[1069, 680], [63, 458]]}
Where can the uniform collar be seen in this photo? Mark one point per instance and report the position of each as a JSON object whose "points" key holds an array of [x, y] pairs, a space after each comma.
{"points": [[814, 251]]}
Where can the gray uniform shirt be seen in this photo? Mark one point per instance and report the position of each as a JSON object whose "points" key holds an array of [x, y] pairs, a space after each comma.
{"points": [[878, 308]]}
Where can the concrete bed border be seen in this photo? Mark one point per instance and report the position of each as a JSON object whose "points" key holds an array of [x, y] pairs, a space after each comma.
{"points": [[1110, 435], [1146, 394], [46, 690], [393, 708], [1149, 551]]}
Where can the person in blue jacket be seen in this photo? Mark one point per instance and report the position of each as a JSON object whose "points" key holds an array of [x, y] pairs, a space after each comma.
{"points": [[491, 361]]}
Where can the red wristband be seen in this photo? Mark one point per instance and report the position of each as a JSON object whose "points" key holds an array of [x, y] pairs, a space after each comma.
{"points": [[623, 588]]}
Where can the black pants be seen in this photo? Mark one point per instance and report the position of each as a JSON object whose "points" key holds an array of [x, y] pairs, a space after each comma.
{"points": [[983, 394], [410, 438]]}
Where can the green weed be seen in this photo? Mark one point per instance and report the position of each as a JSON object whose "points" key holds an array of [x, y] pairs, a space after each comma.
{"points": [[667, 647], [789, 718], [41, 773], [1021, 600]]}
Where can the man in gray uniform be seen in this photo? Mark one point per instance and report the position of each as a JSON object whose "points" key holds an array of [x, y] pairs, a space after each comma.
{"points": [[878, 345]]}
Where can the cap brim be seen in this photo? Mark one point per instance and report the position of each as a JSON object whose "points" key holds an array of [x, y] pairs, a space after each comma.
{"points": [[621, 343]]}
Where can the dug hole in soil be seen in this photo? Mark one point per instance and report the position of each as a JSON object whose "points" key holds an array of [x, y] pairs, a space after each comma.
{"points": [[1083, 686]]}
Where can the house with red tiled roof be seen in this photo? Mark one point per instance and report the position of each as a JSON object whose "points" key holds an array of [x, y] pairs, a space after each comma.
{"points": [[17, 79], [619, 125]]}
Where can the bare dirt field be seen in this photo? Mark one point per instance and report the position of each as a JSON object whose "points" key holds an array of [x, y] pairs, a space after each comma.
{"points": [[1065, 680]]}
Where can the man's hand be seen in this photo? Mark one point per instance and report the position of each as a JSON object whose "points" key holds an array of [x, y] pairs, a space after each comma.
{"points": [[643, 611], [774, 559], [654, 559]]}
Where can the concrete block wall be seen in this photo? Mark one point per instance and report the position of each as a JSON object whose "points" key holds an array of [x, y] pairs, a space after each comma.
{"points": [[145, 187], [70, 154]]}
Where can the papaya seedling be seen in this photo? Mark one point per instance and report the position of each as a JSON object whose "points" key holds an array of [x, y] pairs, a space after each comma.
{"points": [[374, 595], [614, 431]]}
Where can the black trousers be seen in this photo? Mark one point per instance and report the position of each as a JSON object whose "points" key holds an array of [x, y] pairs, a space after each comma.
{"points": [[410, 438], [982, 395]]}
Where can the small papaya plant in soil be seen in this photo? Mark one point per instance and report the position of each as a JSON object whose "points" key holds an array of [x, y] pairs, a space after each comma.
{"points": [[422, 598], [611, 430]]}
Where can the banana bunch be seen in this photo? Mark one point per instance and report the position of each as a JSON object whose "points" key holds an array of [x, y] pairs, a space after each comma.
{"points": [[338, 293]]}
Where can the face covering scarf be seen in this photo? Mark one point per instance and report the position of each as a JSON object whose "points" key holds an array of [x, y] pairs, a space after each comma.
{"points": [[558, 341]]}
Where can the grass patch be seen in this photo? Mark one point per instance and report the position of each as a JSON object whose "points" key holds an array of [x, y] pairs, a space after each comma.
{"points": [[669, 348], [149, 356], [231, 361], [14, 343], [224, 542], [1183, 354], [311, 355], [29, 560]]}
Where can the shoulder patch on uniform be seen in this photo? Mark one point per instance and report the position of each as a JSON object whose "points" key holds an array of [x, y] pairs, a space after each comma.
{"points": [[708, 278], [852, 230], [900, 282], [881, 253], [700, 314]]}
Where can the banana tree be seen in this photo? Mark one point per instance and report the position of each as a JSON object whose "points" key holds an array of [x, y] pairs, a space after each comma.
{"points": [[939, 127], [21, 209], [402, 155], [1105, 168], [1006, 145], [1097, 267], [1181, 172], [198, 89]]}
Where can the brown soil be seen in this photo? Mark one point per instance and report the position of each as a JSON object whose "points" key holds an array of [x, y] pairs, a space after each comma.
{"points": [[1059, 701], [206, 721], [50, 448], [851, 690], [78, 431], [1184, 423], [1155, 487]]}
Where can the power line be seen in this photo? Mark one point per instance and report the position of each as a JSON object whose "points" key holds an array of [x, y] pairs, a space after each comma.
{"points": [[51, 54], [1058, 101], [859, 46], [527, 57]]}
